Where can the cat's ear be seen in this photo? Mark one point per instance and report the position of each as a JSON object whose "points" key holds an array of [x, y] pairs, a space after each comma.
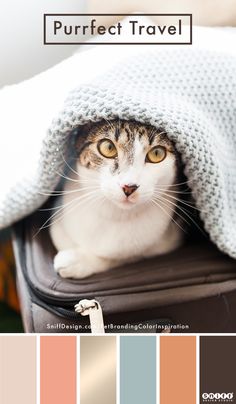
{"points": [[85, 129]]}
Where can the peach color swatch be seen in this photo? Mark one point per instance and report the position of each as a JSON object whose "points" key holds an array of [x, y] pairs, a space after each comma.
{"points": [[58, 370], [17, 369], [178, 370]]}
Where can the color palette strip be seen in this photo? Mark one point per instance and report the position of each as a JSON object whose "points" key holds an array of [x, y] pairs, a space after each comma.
{"points": [[117, 369]]}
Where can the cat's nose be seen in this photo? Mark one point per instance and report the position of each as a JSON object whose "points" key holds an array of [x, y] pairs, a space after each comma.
{"points": [[129, 189]]}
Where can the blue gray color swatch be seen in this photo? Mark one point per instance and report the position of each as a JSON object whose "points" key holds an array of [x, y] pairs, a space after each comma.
{"points": [[138, 370]]}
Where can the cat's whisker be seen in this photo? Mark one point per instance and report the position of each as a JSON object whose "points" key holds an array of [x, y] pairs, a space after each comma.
{"points": [[62, 193], [155, 132], [80, 188], [110, 124], [49, 209], [59, 206], [178, 200], [57, 219], [44, 225], [72, 179], [177, 184], [66, 211], [192, 206], [49, 193], [152, 132], [72, 169], [66, 177], [157, 188], [175, 212], [83, 178], [99, 198], [68, 165], [170, 216], [86, 178], [49, 220], [183, 210], [63, 207], [90, 180]]}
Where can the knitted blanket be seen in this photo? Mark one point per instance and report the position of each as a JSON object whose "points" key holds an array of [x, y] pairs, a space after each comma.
{"points": [[191, 94]]}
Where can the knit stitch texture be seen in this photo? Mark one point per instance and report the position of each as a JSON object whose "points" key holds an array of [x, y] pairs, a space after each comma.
{"points": [[191, 94]]}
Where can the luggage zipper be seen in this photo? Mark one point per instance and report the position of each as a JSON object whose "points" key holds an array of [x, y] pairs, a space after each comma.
{"points": [[92, 309]]}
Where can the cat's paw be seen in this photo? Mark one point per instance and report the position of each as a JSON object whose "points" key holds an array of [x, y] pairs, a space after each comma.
{"points": [[74, 271], [73, 264], [64, 258]]}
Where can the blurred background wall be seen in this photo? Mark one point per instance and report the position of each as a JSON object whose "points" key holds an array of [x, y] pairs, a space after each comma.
{"points": [[205, 12], [22, 53]]}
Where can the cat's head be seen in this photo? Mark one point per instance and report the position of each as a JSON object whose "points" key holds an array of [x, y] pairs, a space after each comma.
{"points": [[130, 162]]}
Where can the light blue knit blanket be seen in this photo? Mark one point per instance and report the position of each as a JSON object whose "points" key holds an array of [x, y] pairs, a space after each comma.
{"points": [[188, 92]]}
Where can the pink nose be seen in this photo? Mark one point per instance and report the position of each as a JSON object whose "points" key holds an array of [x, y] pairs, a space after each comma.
{"points": [[129, 189]]}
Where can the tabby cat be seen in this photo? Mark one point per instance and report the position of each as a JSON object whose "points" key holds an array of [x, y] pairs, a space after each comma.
{"points": [[119, 203]]}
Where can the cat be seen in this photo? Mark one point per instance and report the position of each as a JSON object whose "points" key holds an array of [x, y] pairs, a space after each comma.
{"points": [[118, 206]]}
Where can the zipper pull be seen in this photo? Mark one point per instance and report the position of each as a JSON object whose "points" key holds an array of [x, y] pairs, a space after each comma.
{"points": [[92, 309]]}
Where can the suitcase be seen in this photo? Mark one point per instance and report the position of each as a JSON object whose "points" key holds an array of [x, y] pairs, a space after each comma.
{"points": [[192, 289]]}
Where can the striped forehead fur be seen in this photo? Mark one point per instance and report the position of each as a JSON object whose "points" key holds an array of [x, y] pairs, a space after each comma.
{"points": [[123, 134]]}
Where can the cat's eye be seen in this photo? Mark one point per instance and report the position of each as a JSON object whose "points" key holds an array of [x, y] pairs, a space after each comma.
{"points": [[156, 154], [107, 148]]}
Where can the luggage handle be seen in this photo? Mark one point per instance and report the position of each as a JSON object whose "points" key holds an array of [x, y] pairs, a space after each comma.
{"points": [[92, 309]]}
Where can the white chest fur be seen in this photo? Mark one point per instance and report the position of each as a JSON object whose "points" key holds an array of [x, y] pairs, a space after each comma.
{"points": [[99, 229], [107, 232]]}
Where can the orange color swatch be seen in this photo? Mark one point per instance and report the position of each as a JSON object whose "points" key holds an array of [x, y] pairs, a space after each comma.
{"points": [[178, 370], [58, 370]]}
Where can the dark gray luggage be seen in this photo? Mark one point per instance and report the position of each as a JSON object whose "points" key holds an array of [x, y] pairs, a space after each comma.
{"points": [[190, 290]]}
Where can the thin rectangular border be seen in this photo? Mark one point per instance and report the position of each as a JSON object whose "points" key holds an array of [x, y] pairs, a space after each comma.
{"points": [[38, 369], [197, 369], [78, 369], [158, 369], [117, 43], [117, 369]]}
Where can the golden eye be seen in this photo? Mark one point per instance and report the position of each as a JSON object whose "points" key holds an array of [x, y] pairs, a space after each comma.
{"points": [[107, 148], [156, 154]]}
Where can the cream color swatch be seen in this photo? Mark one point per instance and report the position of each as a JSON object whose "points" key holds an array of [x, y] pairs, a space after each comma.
{"points": [[17, 369], [97, 370]]}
